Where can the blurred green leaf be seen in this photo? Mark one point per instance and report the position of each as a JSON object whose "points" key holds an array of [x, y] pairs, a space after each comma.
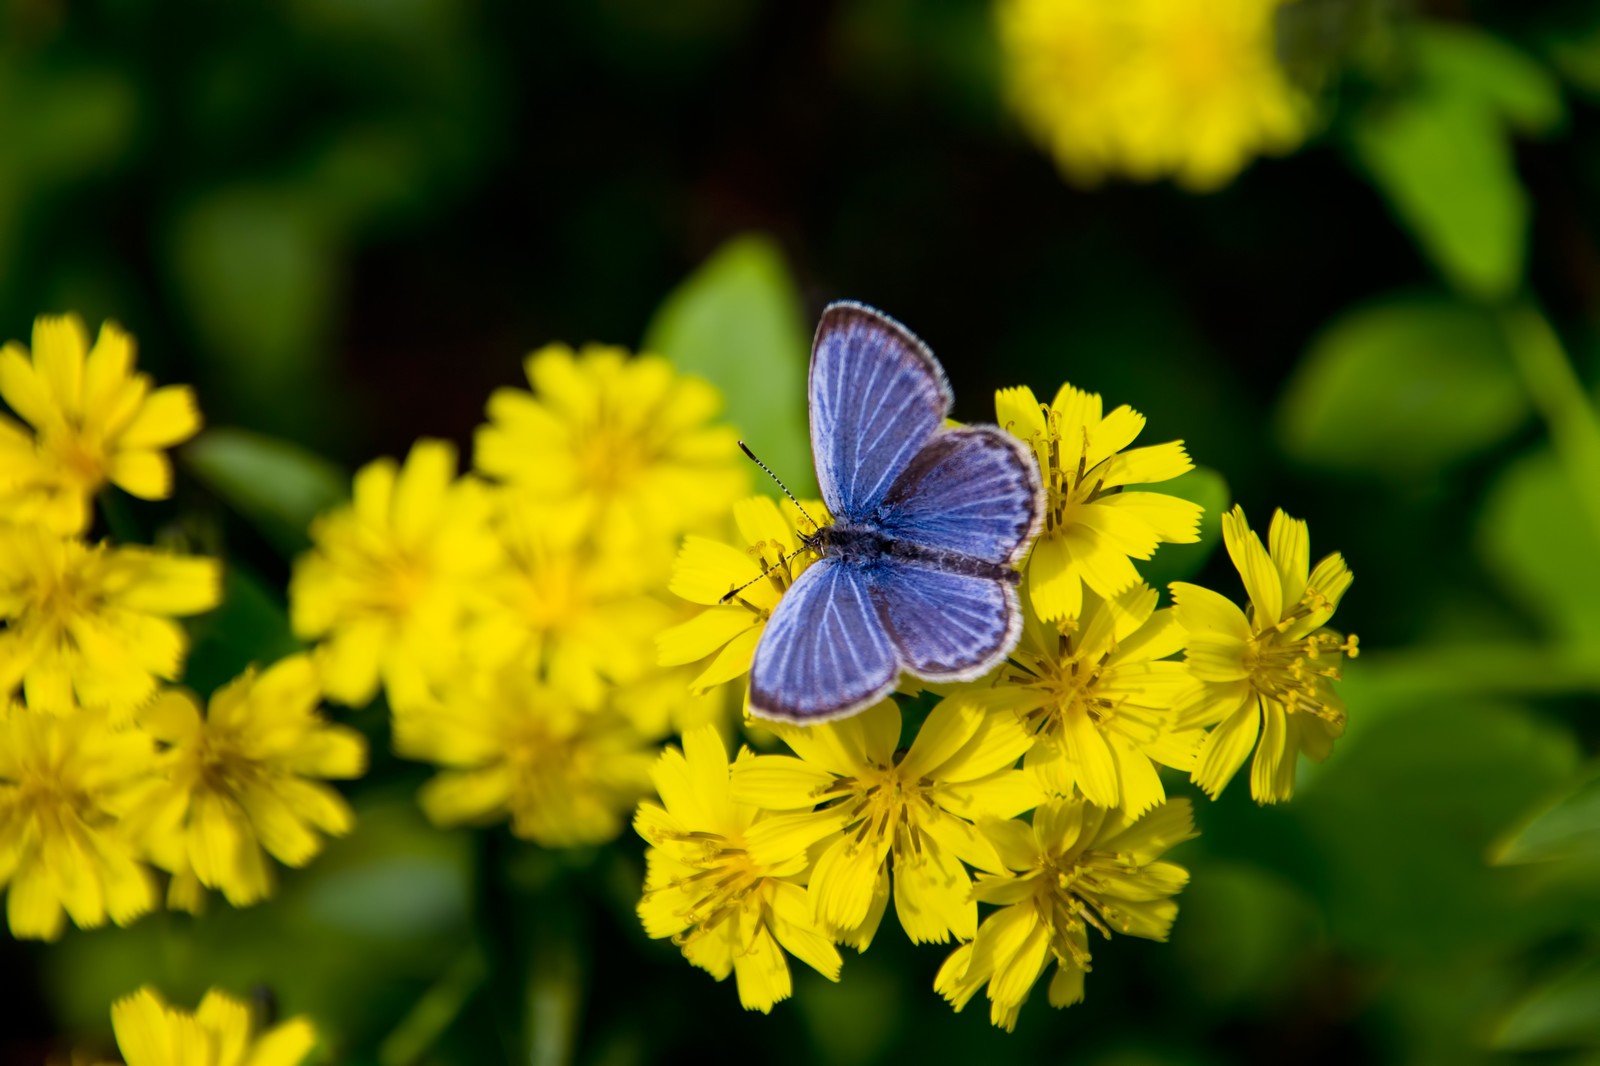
{"points": [[1569, 828], [278, 486], [1405, 817], [1534, 538], [1403, 386], [737, 322], [1242, 931], [1179, 562], [258, 271], [1441, 153], [251, 626], [1459, 59], [1562, 1013]]}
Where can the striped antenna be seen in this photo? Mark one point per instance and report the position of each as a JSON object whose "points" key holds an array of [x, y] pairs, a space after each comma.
{"points": [[743, 447]]}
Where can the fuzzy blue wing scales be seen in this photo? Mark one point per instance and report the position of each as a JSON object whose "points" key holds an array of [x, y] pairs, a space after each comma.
{"points": [[973, 490], [824, 653], [947, 626], [877, 395]]}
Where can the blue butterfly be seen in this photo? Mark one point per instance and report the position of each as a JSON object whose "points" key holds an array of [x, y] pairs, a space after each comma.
{"points": [[917, 571]]}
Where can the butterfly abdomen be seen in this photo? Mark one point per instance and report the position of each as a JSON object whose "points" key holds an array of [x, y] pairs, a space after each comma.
{"points": [[866, 547]]}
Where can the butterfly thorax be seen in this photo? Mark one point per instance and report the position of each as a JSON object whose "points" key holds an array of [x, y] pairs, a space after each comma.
{"points": [[867, 546]]}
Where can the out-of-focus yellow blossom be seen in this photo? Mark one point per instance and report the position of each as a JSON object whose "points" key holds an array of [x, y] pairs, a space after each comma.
{"points": [[662, 703], [1103, 709], [703, 888], [626, 443], [1075, 867], [1151, 88], [90, 624], [763, 569], [93, 420], [220, 1033], [239, 781], [874, 803], [1271, 672], [563, 609], [1093, 523], [390, 579], [566, 775], [64, 784]]}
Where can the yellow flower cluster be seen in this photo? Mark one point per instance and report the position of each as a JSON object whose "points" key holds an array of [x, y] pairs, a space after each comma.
{"points": [[220, 1033], [1105, 688], [1151, 88], [106, 770], [509, 614]]}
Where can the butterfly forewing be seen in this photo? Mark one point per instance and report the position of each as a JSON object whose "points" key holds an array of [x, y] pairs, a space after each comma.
{"points": [[973, 491], [825, 652], [877, 395]]}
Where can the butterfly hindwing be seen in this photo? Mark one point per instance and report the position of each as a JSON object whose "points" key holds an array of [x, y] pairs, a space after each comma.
{"points": [[947, 626], [973, 490], [824, 653], [877, 395]]}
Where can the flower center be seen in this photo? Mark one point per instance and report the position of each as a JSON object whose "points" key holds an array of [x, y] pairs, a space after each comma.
{"points": [[1298, 670], [724, 878], [1069, 481]]}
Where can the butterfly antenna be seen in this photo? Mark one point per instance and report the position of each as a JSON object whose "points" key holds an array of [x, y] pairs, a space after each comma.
{"points": [[752, 455], [765, 570]]}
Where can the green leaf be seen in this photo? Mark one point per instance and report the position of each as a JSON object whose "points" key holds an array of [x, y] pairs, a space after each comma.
{"points": [[1404, 817], [1534, 538], [1445, 165], [1442, 156], [1179, 562], [1568, 828], [250, 626], [1559, 1014], [1461, 60], [1402, 387], [280, 487], [737, 322]]}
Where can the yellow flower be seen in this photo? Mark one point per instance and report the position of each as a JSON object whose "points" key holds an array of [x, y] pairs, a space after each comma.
{"points": [[624, 442], [91, 624], [220, 1033], [566, 775], [1151, 88], [64, 783], [707, 570], [1270, 672], [93, 421], [1075, 867], [238, 782], [915, 806], [564, 610], [1103, 709], [727, 911], [390, 579], [1093, 523]]}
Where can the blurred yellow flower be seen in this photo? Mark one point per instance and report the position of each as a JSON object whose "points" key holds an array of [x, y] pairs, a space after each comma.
{"points": [[706, 570], [1104, 710], [566, 775], [219, 1033], [64, 783], [1075, 867], [93, 420], [1271, 672], [1151, 88], [916, 806], [727, 911], [390, 579], [1093, 522], [627, 443], [239, 781], [91, 624], [563, 609]]}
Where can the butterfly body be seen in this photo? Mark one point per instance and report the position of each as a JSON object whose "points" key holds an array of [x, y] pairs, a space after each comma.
{"points": [[917, 571]]}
